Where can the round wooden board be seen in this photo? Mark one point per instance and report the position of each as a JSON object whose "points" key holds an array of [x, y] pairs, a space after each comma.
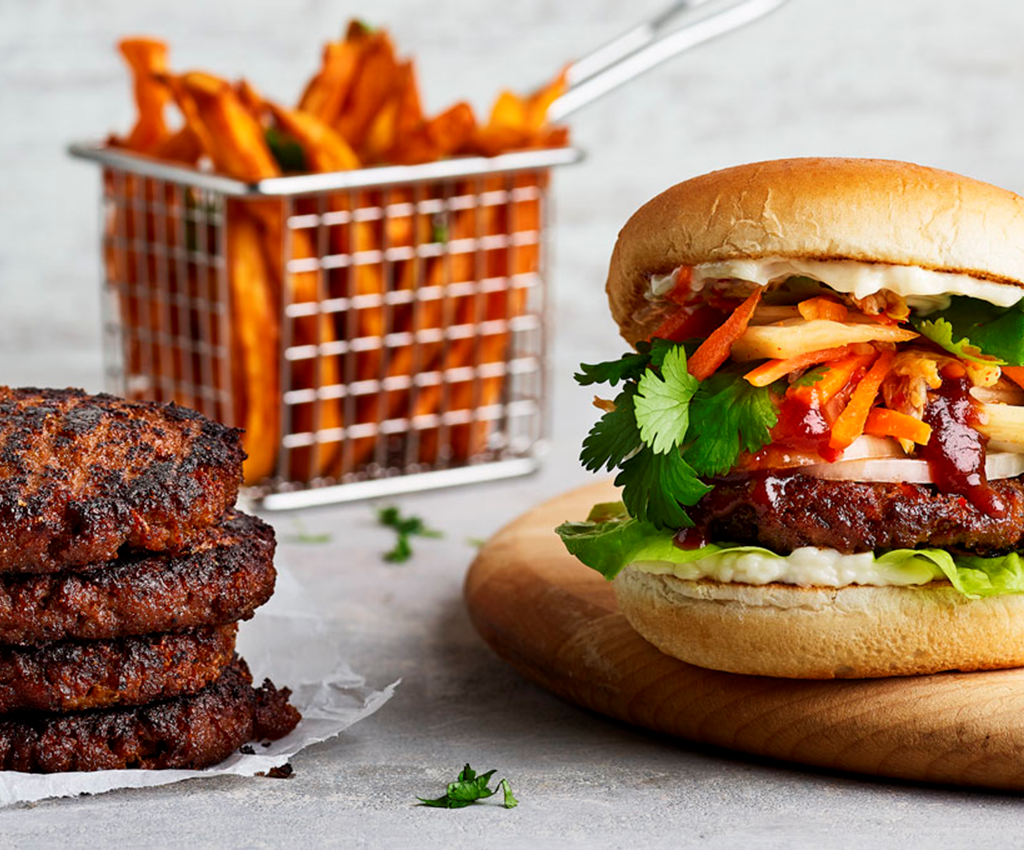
{"points": [[556, 622]]}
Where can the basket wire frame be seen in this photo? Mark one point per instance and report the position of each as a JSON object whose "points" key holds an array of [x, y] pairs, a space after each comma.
{"points": [[409, 334]]}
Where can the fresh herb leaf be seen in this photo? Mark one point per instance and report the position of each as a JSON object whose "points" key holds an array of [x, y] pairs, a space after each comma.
{"points": [[510, 801], [940, 331], [285, 150], [728, 415], [469, 788], [656, 488], [405, 527], [663, 403], [301, 535], [811, 376], [995, 331], [629, 367], [609, 538], [475, 542], [614, 436]]}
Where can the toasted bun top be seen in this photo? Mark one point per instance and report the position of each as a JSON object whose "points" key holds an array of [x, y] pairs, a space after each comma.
{"points": [[870, 210]]}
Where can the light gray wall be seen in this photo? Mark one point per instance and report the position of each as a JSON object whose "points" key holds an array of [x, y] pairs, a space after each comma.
{"points": [[936, 81]]}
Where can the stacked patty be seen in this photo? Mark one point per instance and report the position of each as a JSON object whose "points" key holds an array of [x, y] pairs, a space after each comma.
{"points": [[124, 571]]}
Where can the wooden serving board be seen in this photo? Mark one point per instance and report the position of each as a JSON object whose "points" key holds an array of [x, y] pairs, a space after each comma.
{"points": [[556, 622]]}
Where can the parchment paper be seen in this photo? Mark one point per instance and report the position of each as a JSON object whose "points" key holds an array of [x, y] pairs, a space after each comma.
{"points": [[288, 641]]}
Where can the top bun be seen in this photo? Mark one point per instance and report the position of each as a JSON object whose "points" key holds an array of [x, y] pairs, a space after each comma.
{"points": [[871, 210]]}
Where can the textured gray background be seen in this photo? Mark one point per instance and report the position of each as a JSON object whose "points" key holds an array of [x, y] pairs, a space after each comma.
{"points": [[939, 82]]}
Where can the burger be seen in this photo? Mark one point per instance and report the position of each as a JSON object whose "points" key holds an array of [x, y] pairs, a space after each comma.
{"points": [[818, 431]]}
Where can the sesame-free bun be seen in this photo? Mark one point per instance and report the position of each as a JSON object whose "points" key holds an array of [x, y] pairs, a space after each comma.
{"points": [[853, 632], [870, 210]]}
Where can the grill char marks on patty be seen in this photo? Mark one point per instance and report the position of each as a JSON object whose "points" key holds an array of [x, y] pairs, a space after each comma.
{"points": [[83, 675], [784, 511], [83, 475], [187, 732], [224, 577]]}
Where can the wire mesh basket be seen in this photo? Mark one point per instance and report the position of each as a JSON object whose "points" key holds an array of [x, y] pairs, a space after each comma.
{"points": [[374, 331]]}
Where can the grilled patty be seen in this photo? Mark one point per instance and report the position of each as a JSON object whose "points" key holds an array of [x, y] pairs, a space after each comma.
{"points": [[80, 675], [82, 475], [185, 732], [224, 577], [785, 511]]}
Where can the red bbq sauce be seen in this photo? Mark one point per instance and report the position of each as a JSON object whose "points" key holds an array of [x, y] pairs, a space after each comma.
{"points": [[691, 538], [956, 451], [802, 426]]}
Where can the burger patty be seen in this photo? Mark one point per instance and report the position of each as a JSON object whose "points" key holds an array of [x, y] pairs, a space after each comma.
{"points": [[785, 511], [80, 675], [82, 475], [224, 577], [185, 732]]}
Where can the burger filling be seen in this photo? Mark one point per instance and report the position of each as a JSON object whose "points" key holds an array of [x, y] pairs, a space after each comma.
{"points": [[815, 423]]}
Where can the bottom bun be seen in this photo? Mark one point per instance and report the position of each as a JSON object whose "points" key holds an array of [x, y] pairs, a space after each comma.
{"points": [[854, 632]]}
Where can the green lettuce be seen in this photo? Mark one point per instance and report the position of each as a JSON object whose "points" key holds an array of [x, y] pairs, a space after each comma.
{"points": [[610, 539]]}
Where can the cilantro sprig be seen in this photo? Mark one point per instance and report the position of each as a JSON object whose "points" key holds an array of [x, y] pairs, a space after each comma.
{"points": [[940, 331], [470, 788], [997, 332], [666, 429]]}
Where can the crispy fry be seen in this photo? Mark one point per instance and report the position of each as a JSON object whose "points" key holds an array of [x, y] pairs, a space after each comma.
{"points": [[239, 148], [322, 147], [255, 343], [373, 83], [452, 130], [146, 57], [326, 92]]}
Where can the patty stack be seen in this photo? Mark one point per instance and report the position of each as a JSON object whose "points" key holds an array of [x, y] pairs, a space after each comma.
{"points": [[124, 571]]}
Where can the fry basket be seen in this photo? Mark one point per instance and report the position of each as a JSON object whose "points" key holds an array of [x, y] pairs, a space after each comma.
{"points": [[385, 332], [404, 347]]}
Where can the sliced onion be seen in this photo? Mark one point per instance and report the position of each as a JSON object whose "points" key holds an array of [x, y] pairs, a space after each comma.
{"points": [[908, 470], [779, 457]]}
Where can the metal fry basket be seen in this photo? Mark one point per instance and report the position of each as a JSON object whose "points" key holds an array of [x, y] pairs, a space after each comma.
{"points": [[375, 331], [402, 346]]}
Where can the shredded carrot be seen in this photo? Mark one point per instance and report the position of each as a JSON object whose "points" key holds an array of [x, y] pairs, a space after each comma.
{"points": [[840, 373], [689, 324], [715, 350], [683, 288], [772, 370], [882, 422], [850, 424], [1015, 374], [823, 308]]}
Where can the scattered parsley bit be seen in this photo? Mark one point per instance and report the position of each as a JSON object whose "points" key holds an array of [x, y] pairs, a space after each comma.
{"points": [[476, 542], [285, 150], [406, 527], [811, 376], [940, 331], [469, 789], [301, 535]]}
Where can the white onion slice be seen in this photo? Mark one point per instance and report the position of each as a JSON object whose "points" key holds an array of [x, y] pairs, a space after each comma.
{"points": [[908, 470]]}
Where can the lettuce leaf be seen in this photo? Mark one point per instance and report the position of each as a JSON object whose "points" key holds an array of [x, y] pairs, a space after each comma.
{"points": [[610, 539]]}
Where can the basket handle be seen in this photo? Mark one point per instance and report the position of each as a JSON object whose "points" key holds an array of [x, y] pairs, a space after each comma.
{"points": [[639, 50]]}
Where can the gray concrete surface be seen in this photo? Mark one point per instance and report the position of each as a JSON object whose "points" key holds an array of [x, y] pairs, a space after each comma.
{"points": [[937, 82]]}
